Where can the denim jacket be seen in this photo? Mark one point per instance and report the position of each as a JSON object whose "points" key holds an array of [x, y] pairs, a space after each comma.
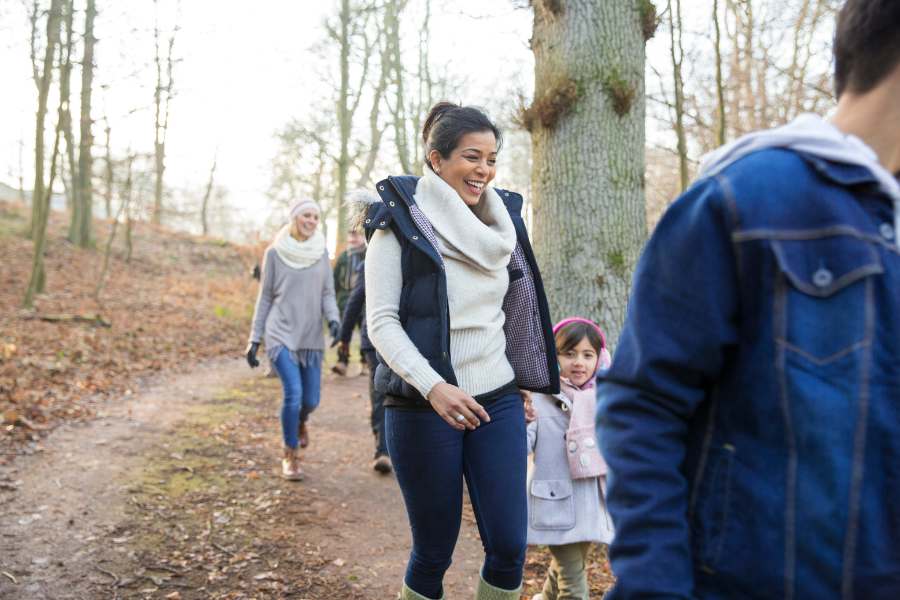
{"points": [[751, 416]]}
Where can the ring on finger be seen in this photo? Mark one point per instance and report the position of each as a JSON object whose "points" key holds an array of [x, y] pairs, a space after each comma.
{"points": [[460, 418]]}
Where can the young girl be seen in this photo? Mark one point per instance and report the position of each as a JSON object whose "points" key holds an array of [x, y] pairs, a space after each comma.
{"points": [[567, 474]]}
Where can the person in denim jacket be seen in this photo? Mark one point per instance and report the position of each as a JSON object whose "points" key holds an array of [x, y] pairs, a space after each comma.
{"points": [[750, 418]]}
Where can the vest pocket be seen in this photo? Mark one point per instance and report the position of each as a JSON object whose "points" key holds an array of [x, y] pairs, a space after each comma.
{"points": [[551, 504]]}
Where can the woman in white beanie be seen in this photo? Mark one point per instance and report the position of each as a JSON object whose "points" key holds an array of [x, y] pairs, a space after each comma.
{"points": [[295, 289]]}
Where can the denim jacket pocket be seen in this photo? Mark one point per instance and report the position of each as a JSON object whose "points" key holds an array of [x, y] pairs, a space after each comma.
{"points": [[711, 511], [821, 312], [551, 504]]}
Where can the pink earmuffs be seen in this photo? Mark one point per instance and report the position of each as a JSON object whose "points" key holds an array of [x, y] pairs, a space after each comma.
{"points": [[605, 358]]}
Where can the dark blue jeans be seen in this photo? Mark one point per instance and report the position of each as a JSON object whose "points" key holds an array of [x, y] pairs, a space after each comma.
{"points": [[430, 459], [377, 399], [301, 393]]}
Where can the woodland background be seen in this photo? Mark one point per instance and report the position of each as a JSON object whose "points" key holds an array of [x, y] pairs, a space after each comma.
{"points": [[112, 267]]}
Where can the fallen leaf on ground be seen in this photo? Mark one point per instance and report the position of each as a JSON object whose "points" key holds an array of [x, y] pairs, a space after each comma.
{"points": [[340, 562]]}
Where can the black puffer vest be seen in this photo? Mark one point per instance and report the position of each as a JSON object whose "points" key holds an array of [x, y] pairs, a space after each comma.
{"points": [[424, 310]]}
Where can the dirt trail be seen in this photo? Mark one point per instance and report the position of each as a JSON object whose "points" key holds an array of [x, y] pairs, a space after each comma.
{"points": [[176, 490]]}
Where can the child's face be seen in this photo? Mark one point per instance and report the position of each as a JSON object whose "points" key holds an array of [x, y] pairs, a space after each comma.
{"points": [[579, 364]]}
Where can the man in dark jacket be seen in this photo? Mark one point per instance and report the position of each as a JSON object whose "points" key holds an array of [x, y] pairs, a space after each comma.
{"points": [[346, 269], [354, 310], [750, 416]]}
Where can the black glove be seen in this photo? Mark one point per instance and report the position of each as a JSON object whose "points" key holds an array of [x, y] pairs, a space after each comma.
{"points": [[251, 355], [335, 328]]}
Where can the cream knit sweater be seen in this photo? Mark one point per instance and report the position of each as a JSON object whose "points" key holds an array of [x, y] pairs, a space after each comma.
{"points": [[476, 244]]}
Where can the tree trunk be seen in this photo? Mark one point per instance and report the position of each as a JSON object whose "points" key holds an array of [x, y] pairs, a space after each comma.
{"points": [[392, 36], [209, 187], [720, 86], [126, 194], [82, 232], [66, 122], [162, 119], [38, 271], [107, 196], [590, 220], [53, 24], [344, 121], [677, 59]]}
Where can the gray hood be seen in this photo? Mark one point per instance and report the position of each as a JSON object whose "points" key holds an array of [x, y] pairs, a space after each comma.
{"points": [[808, 134]]}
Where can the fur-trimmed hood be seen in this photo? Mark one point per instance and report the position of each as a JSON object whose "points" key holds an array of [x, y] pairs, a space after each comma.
{"points": [[359, 202]]}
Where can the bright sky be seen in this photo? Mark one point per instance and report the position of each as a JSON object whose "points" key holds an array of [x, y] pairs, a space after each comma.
{"points": [[245, 70]]}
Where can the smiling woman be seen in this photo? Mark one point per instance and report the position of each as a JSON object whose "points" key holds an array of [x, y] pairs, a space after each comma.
{"points": [[457, 311]]}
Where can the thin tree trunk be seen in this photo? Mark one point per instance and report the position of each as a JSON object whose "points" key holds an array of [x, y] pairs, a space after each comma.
{"points": [[590, 220], [126, 194], [107, 196], [38, 270], [21, 170], [375, 132], [209, 187], [344, 122], [65, 80], [53, 26], [720, 86], [392, 27], [82, 233], [677, 59], [162, 119]]}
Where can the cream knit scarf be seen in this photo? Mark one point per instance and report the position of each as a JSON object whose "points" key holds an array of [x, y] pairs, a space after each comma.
{"points": [[299, 255], [483, 235]]}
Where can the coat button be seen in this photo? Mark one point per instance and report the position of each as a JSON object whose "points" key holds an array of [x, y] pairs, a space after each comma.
{"points": [[552, 494], [506, 194], [573, 446], [392, 203], [381, 187], [368, 220], [589, 442], [585, 461], [382, 223], [415, 237], [886, 231], [822, 278]]}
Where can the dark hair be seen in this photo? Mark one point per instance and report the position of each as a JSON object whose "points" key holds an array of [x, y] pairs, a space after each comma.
{"points": [[446, 123], [570, 335], [866, 44]]}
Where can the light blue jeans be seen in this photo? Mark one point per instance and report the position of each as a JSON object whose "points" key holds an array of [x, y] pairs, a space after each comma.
{"points": [[301, 392]]}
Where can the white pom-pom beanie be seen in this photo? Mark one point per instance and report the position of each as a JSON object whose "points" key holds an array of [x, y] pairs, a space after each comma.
{"points": [[297, 205]]}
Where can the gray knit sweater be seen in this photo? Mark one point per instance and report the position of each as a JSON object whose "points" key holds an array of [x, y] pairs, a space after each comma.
{"points": [[291, 303]]}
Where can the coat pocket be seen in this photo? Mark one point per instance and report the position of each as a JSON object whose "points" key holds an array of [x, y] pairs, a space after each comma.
{"points": [[551, 504], [822, 308]]}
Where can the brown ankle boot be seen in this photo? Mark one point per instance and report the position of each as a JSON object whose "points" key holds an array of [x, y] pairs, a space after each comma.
{"points": [[303, 434], [290, 465]]}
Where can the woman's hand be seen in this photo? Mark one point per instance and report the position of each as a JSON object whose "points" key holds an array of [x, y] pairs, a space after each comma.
{"points": [[449, 401], [335, 328], [343, 349], [251, 355], [530, 410]]}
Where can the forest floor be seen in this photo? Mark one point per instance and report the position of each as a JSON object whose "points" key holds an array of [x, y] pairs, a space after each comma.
{"points": [[164, 483]]}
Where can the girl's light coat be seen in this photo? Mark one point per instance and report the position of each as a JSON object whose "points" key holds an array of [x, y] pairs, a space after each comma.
{"points": [[560, 510]]}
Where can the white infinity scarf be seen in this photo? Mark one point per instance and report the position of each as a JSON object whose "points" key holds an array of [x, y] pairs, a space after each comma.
{"points": [[299, 255]]}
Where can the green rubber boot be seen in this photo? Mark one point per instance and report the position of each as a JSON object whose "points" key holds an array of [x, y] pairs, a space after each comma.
{"points": [[408, 594], [486, 591]]}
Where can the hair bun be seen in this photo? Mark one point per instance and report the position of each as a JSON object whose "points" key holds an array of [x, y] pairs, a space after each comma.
{"points": [[433, 115]]}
